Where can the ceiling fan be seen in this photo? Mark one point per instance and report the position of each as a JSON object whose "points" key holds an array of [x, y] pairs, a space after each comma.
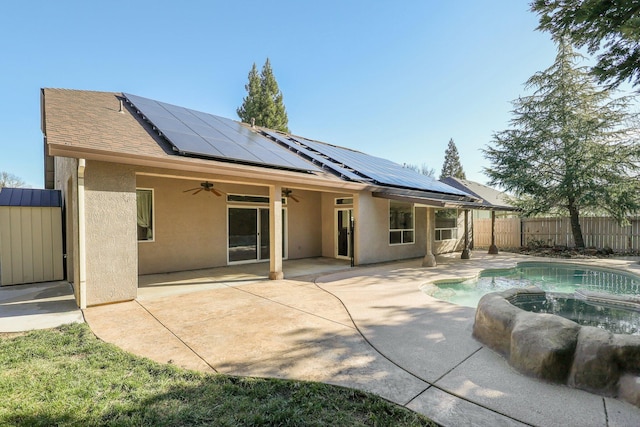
{"points": [[286, 192], [206, 186]]}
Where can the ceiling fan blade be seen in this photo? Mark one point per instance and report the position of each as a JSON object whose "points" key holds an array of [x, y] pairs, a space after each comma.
{"points": [[191, 189], [216, 192], [196, 192], [294, 199]]}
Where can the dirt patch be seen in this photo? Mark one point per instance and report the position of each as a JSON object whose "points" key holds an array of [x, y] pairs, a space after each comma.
{"points": [[570, 252]]}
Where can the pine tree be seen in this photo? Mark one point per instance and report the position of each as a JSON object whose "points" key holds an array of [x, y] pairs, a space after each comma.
{"points": [[264, 100], [452, 166], [568, 150], [605, 27]]}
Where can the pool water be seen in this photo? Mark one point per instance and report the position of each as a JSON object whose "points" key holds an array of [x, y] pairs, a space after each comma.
{"points": [[605, 316], [551, 277]]}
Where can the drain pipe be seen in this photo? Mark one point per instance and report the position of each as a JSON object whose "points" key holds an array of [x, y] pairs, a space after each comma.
{"points": [[82, 258]]}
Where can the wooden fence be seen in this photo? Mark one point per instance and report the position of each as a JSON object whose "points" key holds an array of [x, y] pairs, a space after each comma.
{"points": [[507, 233], [599, 232]]}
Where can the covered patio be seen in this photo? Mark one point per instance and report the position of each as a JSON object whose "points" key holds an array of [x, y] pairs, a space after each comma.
{"points": [[165, 284]]}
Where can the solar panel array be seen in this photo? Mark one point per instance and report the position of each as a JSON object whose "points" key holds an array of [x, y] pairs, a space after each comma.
{"points": [[196, 133], [359, 166]]}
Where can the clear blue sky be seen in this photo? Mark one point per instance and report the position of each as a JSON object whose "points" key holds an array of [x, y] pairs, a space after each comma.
{"points": [[393, 79]]}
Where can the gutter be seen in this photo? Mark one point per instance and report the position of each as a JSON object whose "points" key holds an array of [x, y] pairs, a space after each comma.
{"points": [[82, 256]]}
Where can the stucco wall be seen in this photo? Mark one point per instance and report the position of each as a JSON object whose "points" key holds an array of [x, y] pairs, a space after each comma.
{"points": [[190, 231], [372, 232], [305, 225], [110, 215], [65, 180]]}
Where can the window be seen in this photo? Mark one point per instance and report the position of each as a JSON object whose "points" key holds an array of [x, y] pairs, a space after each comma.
{"points": [[242, 198], [446, 224], [344, 201], [144, 204], [247, 199], [400, 223]]}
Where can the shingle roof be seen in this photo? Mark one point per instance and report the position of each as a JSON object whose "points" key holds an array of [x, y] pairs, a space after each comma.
{"points": [[94, 120], [29, 197], [78, 123], [490, 197]]}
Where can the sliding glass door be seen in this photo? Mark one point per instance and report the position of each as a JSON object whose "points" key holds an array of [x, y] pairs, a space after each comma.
{"points": [[248, 232]]}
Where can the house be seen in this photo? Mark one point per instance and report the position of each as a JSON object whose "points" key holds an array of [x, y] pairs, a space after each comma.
{"points": [[150, 187], [489, 201]]}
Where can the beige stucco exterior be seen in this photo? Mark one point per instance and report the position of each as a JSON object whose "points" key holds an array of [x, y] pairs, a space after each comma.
{"points": [[372, 232], [190, 231], [98, 151], [109, 217]]}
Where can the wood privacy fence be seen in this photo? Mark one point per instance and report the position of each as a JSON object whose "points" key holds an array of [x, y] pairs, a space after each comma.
{"points": [[599, 232], [507, 233]]}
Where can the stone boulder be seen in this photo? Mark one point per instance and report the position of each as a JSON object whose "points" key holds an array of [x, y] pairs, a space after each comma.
{"points": [[629, 389], [494, 321], [542, 345], [595, 367], [556, 349]]}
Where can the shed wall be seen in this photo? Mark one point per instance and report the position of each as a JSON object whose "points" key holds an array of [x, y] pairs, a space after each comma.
{"points": [[30, 245]]}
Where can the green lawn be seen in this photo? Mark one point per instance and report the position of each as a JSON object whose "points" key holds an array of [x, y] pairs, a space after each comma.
{"points": [[66, 376]]}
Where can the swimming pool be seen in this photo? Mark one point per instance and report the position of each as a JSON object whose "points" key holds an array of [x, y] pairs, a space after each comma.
{"points": [[548, 276]]}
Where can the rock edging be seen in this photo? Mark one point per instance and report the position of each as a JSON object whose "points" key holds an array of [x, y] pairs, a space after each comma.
{"points": [[559, 350]]}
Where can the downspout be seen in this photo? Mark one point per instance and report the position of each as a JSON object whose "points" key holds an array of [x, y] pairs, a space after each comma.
{"points": [[82, 258]]}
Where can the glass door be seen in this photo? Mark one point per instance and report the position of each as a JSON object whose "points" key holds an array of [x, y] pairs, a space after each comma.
{"points": [[249, 238], [243, 234], [343, 225]]}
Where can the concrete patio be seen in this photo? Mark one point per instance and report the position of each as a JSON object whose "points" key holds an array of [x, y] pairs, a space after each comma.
{"points": [[366, 327]]}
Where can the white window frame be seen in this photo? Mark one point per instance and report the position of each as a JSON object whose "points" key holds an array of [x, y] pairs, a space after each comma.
{"points": [[153, 215], [403, 230], [454, 230]]}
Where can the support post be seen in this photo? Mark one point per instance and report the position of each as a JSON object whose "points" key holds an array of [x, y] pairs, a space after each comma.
{"points": [[429, 259], [493, 249], [465, 252], [275, 233], [81, 279]]}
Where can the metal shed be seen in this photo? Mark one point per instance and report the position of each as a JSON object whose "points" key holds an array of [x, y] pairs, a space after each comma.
{"points": [[30, 236]]}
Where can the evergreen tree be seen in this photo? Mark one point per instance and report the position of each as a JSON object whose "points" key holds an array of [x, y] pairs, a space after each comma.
{"points": [[609, 28], [452, 166], [568, 150], [264, 101]]}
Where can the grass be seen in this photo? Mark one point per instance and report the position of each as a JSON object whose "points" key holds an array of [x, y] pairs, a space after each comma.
{"points": [[66, 376]]}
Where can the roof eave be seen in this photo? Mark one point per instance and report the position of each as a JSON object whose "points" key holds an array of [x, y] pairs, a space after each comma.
{"points": [[236, 171]]}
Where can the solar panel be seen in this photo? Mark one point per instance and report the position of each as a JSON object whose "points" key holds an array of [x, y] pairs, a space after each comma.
{"points": [[315, 157], [365, 167], [194, 133]]}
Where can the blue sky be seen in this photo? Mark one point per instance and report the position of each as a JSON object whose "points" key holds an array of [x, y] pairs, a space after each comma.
{"points": [[392, 79]]}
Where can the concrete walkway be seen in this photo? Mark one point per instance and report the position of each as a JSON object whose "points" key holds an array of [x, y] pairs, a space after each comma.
{"points": [[369, 328], [37, 306]]}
